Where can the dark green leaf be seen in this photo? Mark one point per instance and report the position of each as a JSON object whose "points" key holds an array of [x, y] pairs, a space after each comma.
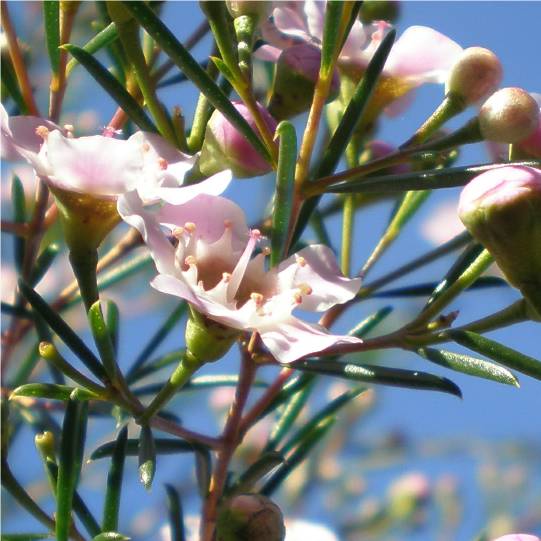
{"points": [[69, 466], [371, 322], [469, 365], [176, 521], [183, 59], [298, 455], [63, 330], [156, 340], [113, 322], [111, 504], [16, 311], [381, 375], [353, 115], [331, 35], [259, 469], [103, 341], [466, 258], [163, 446], [52, 391], [419, 180], [288, 391], [203, 470], [18, 202], [43, 262], [113, 87], [147, 457], [11, 85], [51, 20], [283, 196], [24, 536], [498, 352]]}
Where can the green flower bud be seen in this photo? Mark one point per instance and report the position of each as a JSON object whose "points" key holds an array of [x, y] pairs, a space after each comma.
{"points": [[250, 517], [476, 74], [208, 340], [296, 75], [257, 8], [46, 445], [509, 116], [502, 209], [379, 10]]}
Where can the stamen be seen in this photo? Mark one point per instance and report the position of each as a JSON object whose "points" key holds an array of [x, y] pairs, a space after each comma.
{"points": [[226, 277], [190, 260], [162, 162], [300, 261], [257, 298], [305, 289], [146, 147], [190, 227], [178, 232], [43, 132], [266, 250], [110, 131], [297, 297], [256, 234]]}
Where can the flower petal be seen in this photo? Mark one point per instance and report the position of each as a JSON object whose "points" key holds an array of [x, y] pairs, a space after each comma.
{"points": [[316, 267], [292, 339], [422, 55]]}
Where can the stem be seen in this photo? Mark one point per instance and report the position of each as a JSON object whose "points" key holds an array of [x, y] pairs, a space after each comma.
{"points": [[348, 221], [18, 61], [181, 375], [84, 263], [231, 438]]}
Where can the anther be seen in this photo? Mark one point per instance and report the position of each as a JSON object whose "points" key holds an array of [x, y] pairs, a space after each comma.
{"points": [[178, 232], [146, 147], [256, 234], [226, 277], [190, 227], [266, 250], [162, 162], [297, 297], [300, 261], [190, 260], [43, 132], [257, 298], [305, 289]]}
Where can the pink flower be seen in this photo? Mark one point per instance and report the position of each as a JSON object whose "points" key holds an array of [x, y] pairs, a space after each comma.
{"points": [[212, 267], [421, 54], [518, 537], [100, 166]]}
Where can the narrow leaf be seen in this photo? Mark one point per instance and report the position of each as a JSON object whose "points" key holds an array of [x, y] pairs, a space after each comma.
{"points": [[395, 377], [24, 536], [176, 520], [113, 322], [498, 352], [15, 311], [113, 87], [163, 446], [147, 457], [18, 201], [43, 262], [420, 180], [469, 365], [259, 469], [11, 85], [203, 470], [184, 60], [103, 341], [283, 196], [63, 330], [111, 504], [51, 391], [51, 20], [300, 453], [69, 466], [371, 322], [331, 34]]}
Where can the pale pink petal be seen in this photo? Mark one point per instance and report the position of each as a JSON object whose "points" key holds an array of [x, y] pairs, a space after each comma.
{"points": [[268, 53], [315, 17], [292, 339], [422, 55], [290, 23], [95, 164], [316, 267], [398, 106], [518, 537], [354, 42]]}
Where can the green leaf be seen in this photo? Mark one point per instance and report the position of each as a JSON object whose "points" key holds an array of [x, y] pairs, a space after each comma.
{"points": [[288, 391], [298, 455], [52, 391], [283, 196], [111, 536], [18, 202], [352, 116], [15, 311], [371, 322], [419, 180], [203, 470], [331, 35], [103, 341], [395, 377], [102, 39], [466, 258], [174, 507], [111, 504], [160, 335], [147, 457], [11, 85], [43, 262], [184, 60], [113, 322], [498, 352], [113, 87], [259, 469], [63, 330], [469, 365], [322, 416], [163, 446], [25, 536], [69, 466], [51, 20]]}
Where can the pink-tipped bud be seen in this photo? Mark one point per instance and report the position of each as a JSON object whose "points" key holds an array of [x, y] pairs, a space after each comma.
{"points": [[296, 75], [531, 146], [501, 208], [476, 74], [248, 517], [509, 116], [257, 8], [225, 147]]}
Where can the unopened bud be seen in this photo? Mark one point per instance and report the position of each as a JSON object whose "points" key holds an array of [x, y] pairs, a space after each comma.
{"points": [[297, 72], [257, 8], [248, 517], [509, 116], [224, 147], [501, 208], [476, 74], [46, 445], [379, 10], [531, 146]]}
